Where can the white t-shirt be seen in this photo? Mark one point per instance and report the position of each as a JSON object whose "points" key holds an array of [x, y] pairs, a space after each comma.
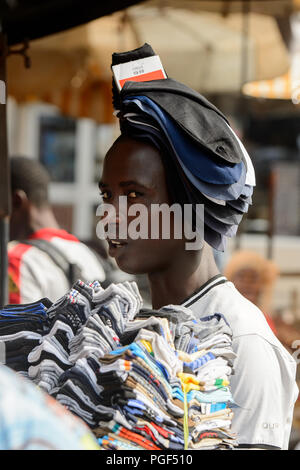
{"points": [[263, 384], [34, 275]]}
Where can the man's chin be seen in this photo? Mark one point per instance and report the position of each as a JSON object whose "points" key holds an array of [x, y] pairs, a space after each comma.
{"points": [[128, 269], [131, 266]]}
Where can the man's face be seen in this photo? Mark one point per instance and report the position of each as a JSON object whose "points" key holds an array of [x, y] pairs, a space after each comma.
{"points": [[135, 170]]}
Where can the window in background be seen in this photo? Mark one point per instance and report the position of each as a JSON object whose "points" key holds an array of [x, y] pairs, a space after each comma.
{"points": [[57, 147], [272, 136]]}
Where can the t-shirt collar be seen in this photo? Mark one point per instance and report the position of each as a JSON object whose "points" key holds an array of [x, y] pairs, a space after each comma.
{"points": [[204, 289]]}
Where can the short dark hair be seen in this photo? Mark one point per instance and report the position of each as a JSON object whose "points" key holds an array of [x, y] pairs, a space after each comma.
{"points": [[30, 176]]}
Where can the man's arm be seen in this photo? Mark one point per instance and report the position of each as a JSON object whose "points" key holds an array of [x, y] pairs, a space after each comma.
{"points": [[265, 389]]}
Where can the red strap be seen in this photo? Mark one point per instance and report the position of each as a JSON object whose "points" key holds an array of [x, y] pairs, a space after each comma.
{"points": [[15, 256], [49, 233]]}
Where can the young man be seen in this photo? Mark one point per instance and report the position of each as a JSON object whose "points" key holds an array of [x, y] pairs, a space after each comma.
{"points": [[41, 255], [137, 167]]}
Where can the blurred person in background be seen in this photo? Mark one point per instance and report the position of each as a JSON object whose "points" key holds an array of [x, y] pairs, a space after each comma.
{"points": [[254, 277], [44, 260]]}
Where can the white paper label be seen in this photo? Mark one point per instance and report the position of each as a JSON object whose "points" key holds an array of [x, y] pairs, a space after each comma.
{"points": [[141, 70]]}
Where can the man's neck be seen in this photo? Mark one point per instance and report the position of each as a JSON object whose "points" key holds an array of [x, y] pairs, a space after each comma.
{"points": [[183, 278], [41, 218]]}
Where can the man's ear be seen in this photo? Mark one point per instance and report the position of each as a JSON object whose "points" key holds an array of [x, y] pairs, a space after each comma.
{"points": [[19, 199]]}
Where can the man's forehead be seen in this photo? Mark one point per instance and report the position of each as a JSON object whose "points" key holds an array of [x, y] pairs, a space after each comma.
{"points": [[133, 159]]}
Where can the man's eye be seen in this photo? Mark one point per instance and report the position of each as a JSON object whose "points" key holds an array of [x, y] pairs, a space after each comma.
{"points": [[134, 194], [104, 195]]}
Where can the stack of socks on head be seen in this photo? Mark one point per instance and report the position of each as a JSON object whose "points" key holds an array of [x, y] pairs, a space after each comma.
{"points": [[141, 379], [203, 156], [21, 329]]}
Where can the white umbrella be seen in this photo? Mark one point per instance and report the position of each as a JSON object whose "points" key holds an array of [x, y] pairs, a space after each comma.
{"points": [[201, 49]]}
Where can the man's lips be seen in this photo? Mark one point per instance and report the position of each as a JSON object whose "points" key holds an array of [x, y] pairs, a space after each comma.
{"points": [[115, 244]]}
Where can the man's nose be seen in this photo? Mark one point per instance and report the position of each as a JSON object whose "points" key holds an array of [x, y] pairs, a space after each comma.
{"points": [[117, 212], [115, 222]]}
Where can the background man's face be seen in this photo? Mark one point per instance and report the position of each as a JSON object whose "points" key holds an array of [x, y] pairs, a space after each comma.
{"points": [[135, 170], [249, 283]]}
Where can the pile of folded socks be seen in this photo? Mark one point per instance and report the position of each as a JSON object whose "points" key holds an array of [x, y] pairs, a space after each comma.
{"points": [[171, 385], [50, 358], [21, 329], [141, 379], [207, 162], [77, 387]]}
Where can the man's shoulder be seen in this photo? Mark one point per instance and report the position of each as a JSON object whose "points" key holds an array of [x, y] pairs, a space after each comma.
{"points": [[242, 315], [79, 253], [16, 249], [36, 258], [250, 329]]}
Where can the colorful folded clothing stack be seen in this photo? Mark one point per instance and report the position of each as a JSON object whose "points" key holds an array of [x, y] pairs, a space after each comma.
{"points": [[141, 379], [167, 397]]}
